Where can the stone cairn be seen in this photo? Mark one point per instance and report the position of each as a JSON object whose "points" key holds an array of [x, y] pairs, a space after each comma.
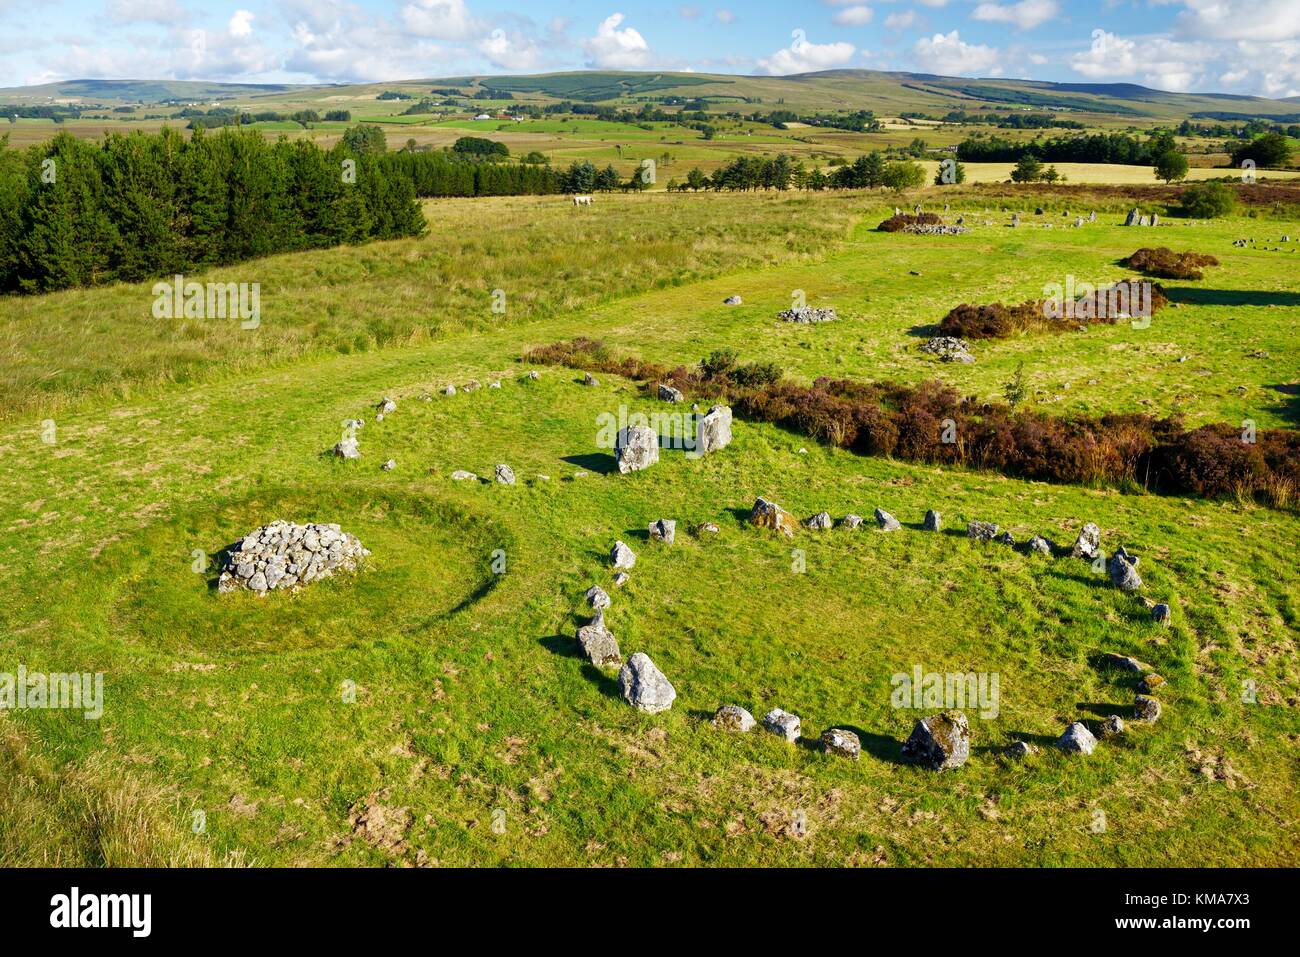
{"points": [[283, 556]]}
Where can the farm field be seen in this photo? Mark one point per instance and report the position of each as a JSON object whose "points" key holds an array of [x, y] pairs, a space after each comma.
{"points": [[434, 708]]}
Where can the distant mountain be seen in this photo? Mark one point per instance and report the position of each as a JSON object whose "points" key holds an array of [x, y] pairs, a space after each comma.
{"points": [[886, 94]]}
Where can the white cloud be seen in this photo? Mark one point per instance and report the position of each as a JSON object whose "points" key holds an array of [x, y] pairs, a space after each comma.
{"points": [[804, 57], [1159, 62], [511, 51], [855, 16], [615, 49], [900, 21], [948, 54], [440, 20], [724, 15], [1240, 19], [241, 24], [1026, 14], [933, 3]]}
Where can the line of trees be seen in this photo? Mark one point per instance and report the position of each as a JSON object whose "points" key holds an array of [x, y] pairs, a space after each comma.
{"points": [[140, 205], [1096, 148], [870, 171]]}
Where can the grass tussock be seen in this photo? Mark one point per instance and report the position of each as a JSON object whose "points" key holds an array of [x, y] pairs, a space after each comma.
{"points": [[932, 422], [87, 815], [1167, 264]]}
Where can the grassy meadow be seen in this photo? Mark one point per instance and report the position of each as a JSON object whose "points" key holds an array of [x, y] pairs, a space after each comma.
{"points": [[432, 710]]}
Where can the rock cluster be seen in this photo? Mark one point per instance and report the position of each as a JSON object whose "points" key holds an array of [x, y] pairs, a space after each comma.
{"points": [[934, 229], [807, 315], [283, 555], [948, 349]]}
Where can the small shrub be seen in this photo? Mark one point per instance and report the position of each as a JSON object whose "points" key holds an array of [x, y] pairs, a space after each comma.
{"points": [[1167, 264], [896, 223], [1207, 201]]}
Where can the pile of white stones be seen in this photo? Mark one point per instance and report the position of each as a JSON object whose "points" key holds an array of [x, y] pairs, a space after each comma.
{"points": [[283, 555], [807, 315]]}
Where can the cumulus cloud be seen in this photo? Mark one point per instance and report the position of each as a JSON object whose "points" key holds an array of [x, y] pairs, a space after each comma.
{"points": [[900, 21], [241, 24], [1240, 19], [511, 51], [1026, 14], [949, 54], [1159, 62], [801, 56], [854, 16], [615, 49], [440, 20]]}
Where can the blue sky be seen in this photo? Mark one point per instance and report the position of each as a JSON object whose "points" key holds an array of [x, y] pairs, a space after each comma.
{"points": [[1234, 46]]}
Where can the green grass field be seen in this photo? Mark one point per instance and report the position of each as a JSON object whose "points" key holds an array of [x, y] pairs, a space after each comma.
{"points": [[135, 449]]}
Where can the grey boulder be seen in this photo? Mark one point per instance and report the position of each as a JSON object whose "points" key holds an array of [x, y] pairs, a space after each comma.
{"points": [[644, 686]]}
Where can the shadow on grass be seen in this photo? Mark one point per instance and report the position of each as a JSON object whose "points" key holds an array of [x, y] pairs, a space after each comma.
{"points": [[1230, 297], [1289, 408], [1103, 710], [924, 331], [593, 462], [566, 646]]}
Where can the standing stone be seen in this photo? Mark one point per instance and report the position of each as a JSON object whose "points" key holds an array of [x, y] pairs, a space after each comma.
{"points": [[886, 521], [597, 597], [843, 743], [1133, 217], [389, 465], [347, 449], [450, 390], [940, 741], [732, 717], [1088, 544], [505, 475], [1160, 614], [589, 379], [714, 430], [782, 723], [819, 522], [1123, 575], [1112, 727], [1019, 750], [933, 520], [981, 531], [1155, 219], [732, 301], [1146, 708], [668, 393], [767, 514], [663, 530], [621, 556], [707, 528], [851, 520], [460, 475], [1150, 683], [1077, 739], [644, 686], [598, 642], [387, 405], [621, 579], [1006, 538], [1015, 219], [636, 447]]}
